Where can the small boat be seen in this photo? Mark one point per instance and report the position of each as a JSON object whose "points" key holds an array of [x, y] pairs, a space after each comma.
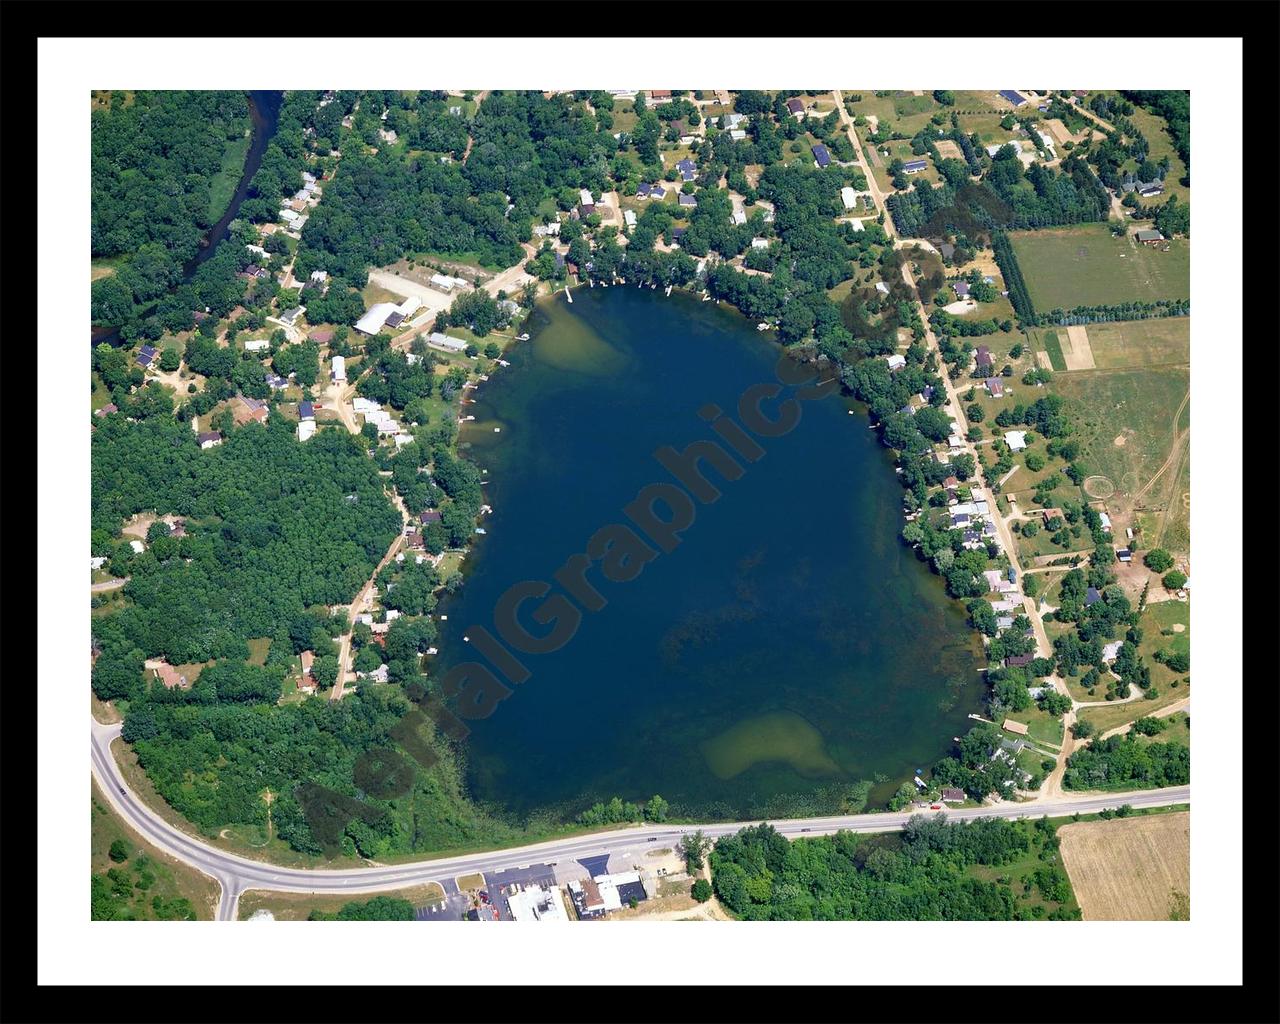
{"points": [[568, 295], [523, 337], [480, 529], [669, 287]]}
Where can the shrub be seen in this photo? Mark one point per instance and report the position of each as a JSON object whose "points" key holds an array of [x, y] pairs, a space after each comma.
{"points": [[701, 890]]}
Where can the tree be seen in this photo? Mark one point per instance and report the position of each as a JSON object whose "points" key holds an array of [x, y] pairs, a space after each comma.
{"points": [[1158, 560], [656, 809], [701, 890], [1174, 580], [694, 846], [1082, 728], [170, 360], [1034, 461], [119, 851]]}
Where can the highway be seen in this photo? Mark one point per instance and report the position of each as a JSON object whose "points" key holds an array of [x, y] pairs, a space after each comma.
{"points": [[236, 874]]}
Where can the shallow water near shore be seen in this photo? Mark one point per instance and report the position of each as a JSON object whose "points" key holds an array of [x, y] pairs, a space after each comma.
{"points": [[788, 647]]}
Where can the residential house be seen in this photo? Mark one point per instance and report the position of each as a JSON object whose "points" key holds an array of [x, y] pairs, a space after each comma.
{"points": [[1016, 440], [1124, 554], [687, 200], [138, 546], [983, 358], [1149, 237], [1017, 99], [210, 439], [914, 166], [821, 156], [290, 317], [339, 369], [584, 197], [995, 387], [739, 217], [306, 411], [257, 345], [307, 683], [306, 429], [629, 218], [759, 243], [169, 677], [445, 343], [147, 355], [1019, 728], [896, 361], [1091, 596], [322, 335], [951, 795], [795, 107], [431, 515], [106, 410], [1111, 651], [962, 288], [737, 134], [849, 197]]}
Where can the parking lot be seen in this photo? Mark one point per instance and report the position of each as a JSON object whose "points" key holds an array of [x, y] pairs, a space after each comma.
{"points": [[454, 907], [496, 881]]}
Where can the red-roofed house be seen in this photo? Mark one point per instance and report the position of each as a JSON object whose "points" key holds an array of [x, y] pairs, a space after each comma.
{"points": [[307, 683]]}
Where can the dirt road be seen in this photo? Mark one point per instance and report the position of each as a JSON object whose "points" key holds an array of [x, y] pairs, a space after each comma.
{"points": [[876, 195], [116, 584], [344, 647], [1164, 712]]}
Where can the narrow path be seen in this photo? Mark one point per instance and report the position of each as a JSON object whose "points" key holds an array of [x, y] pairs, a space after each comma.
{"points": [[344, 647], [1164, 712], [116, 584], [1179, 439]]}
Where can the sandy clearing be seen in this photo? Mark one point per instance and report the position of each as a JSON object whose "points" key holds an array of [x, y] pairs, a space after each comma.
{"points": [[1077, 353], [1128, 869], [947, 149], [960, 306], [1042, 359], [434, 300]]}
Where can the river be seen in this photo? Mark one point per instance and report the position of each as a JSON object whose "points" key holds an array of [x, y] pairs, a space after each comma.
{"points": [[790, 645], [264, 113]]}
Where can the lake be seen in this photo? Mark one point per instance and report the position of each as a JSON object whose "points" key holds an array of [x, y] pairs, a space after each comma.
{"points": [[788, 647]]}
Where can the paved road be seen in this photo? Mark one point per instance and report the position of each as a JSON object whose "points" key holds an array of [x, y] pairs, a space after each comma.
{"points": [[236, 873]]}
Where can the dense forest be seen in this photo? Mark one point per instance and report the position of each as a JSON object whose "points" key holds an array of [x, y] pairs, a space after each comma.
{"points": [[922, 876], [273, 528], [153, 161]]}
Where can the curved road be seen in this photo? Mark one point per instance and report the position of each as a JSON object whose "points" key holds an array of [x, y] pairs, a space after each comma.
{"points": [[235, 874]]}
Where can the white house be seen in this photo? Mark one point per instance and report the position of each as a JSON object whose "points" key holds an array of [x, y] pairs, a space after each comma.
{"points": [[1015, 439], [584, 197], [364, 406], [759, 243], [257, 345], [882, 288], [1111, 650], [137, 546], [306, 428], [442, 282], [1106, 521], [737, 134], [98, 562], [849, 197], [630, 217], [339, 368], [896, 361], [739, 217]]}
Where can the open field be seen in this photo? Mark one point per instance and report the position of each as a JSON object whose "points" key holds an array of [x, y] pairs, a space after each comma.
{"points": [[104, 267], [223, 185], [1175, 528], [1124, 422], [1086, 265], [1129, 869], [1132, 343], [171, 880], [295, 906]]}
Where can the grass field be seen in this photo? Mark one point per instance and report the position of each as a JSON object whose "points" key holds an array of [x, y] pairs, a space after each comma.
{"points": [[1140, 343], [1053, 345], [258, 648], [1129, 869], [223, 185], [1018, 873], [154, 874], [1124, 422], [1175, 529], [1086, 265], [1156, 131], [295, 906]]}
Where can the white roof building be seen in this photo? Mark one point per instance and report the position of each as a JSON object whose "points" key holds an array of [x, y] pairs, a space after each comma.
{"points": [[538, 903], [584, 197], [1109, 651], [896, 361], [364, 406], [372, 322], [137, 546], [445, 343], [739, 217], [97, 562], [849, 197], [339, 368], [1015, 439], [759, 243], [257, 345], [882, 288], [1106, 521], [306, 428], [630, 217]]}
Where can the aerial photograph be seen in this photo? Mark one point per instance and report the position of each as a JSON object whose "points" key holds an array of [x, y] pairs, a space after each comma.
{"points": [[639, 504]]}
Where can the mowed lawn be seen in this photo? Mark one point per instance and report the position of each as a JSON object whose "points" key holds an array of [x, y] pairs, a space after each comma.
{"points": [[1129, 869], [1141, 343], [1124, 420], [1085, 265]]}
